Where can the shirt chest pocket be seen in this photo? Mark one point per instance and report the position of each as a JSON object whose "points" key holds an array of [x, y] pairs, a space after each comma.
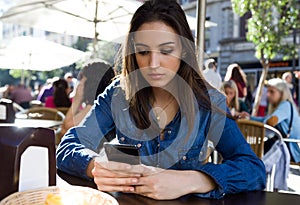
{"points": [[126, 140], [190, 158]]}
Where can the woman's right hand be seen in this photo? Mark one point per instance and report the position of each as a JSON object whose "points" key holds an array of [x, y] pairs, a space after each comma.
{"points": [[78, 97], [114, 177], [243, 115]]}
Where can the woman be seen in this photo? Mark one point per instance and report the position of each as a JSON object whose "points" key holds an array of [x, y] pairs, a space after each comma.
{"points": [[162, 104], [234, 104], [94, 78], [60, 96], [234, 72], [281, 111]]}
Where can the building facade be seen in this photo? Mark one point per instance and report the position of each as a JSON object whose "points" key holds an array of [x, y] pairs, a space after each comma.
{"points": [[227, 43]]}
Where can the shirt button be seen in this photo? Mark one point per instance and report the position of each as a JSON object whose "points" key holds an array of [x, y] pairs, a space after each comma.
{"points": [[158, 145], [184, 157], [169, 132], [201, 153], [139, 145], [122, 139]]}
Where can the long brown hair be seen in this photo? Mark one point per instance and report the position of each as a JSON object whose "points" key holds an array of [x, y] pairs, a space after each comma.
{"points": [[170, 13]]}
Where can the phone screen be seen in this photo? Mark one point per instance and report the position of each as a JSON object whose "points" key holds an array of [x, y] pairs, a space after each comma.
{"points": [[122, 153]]}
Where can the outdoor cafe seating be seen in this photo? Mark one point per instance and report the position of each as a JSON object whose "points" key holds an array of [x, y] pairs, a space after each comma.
{"points": [[277, 162], [16, 139]]}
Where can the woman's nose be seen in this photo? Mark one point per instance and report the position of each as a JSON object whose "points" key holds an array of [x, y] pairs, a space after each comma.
{"points": [[154, 59]]}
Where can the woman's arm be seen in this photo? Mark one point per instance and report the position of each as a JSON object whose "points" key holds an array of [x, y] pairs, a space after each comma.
{"points": [[75, 114], [240, 170], [148, 181], [74, 153]]}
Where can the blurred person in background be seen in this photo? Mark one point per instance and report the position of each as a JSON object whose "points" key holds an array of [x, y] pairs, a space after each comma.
{"points": [[60, 96], [211, 75], [7, 93], [297, 74], [94, 78], [46, 90], [234, 72], [21, 95], [234, 104], [282, 113], [288, 78], [263, 101], [71, 80]]}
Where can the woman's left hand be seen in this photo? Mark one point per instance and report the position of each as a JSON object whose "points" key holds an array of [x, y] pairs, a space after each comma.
{"points": [[163, 184]]}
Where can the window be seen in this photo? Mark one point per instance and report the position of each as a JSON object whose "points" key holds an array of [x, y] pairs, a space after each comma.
{"points": [[244, 24]]}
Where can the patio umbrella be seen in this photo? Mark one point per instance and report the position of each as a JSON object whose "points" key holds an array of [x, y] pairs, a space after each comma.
{"points": [[97, 19], [28, 53]]}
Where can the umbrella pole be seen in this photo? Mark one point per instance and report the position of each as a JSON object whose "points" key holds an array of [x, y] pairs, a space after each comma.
{"points": [[201, 15], [22, 77], [95, 40]]}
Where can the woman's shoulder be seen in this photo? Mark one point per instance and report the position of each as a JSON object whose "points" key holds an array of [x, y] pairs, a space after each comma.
{"points": [[113, 89], [284, 104], [216, 97]]}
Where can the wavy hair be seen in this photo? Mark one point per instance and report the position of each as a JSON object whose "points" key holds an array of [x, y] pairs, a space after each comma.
{"points": [[170, 13], [284, 89]]}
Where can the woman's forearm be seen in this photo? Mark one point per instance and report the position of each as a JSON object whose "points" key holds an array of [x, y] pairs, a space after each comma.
{"points": [[199, 182]]}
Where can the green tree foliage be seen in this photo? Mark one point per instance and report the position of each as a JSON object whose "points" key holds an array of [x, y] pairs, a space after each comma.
{"points": [[271, 21]]}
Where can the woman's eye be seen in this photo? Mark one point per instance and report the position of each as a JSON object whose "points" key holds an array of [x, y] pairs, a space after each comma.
{"points": [[143, 53], [166, 51]]}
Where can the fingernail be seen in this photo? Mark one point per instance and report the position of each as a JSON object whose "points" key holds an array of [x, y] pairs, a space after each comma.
{"points": [[131, 189], [134, 180]]}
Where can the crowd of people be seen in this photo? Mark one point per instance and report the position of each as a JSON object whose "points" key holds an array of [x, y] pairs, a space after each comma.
{"points": [[278, 106]]}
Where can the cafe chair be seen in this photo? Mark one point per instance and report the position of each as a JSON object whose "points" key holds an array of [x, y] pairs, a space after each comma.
{"points": [[276, 160], [64, 110], [17, 107], [27, 159], [254, 133], [41, 113]]}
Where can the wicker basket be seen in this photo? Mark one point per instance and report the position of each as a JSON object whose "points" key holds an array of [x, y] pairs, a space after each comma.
{"points": [[73, 195]]}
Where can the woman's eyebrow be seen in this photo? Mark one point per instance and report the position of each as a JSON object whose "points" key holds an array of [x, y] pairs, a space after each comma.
{"points": [[160, 45], [167, 43], [141, 44]]}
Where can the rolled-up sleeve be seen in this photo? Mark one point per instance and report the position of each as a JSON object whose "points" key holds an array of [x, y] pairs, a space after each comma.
{"points": [[240, 170]]}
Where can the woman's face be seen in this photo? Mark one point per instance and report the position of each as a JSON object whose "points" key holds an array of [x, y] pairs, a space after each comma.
{"points": [[274, 95], [230, 94], [158, 51]]}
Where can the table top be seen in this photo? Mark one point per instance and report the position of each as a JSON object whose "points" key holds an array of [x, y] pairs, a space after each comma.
{"points": [[249, 198], [33, 123]]}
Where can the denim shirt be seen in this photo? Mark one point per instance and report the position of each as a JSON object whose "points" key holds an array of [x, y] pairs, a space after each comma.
{"points": [[180, 149]]}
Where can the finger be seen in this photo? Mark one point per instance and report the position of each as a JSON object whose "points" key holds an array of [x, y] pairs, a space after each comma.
{"points": [[142, 190], [100, 171], [107, 188], [116, 166], [116, 181], [145, 170]]}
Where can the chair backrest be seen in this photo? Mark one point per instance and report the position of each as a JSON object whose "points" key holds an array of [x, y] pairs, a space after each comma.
{"points": [[42, 113], [254, 133], [64, 110]]}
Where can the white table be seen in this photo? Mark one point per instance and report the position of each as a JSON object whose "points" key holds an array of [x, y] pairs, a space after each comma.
{"points": [[33, 123]]}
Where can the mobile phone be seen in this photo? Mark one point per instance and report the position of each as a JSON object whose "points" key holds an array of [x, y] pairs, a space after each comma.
{"points": [[124, 153]]}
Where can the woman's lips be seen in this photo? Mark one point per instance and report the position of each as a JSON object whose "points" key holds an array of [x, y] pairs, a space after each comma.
{"points": [[156, 76]]}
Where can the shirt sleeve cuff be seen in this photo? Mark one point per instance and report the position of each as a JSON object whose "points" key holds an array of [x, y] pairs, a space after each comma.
{"points": [[218, 177]]}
